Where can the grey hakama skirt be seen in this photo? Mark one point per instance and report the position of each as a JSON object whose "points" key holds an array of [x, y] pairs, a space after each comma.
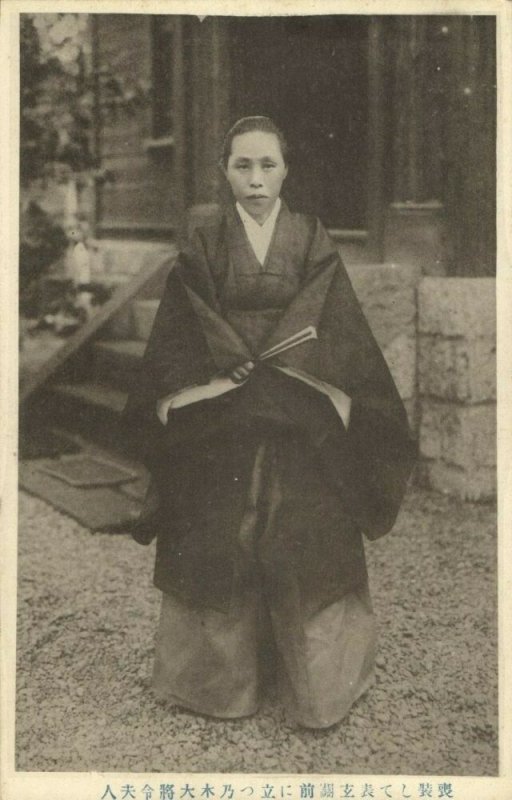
{"points": [[219, 663]]}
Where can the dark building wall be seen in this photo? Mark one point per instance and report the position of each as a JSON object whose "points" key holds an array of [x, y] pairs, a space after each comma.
{"points": [[310, 74], [409, 101], [470, 143], [138, 124], [442, 127]]}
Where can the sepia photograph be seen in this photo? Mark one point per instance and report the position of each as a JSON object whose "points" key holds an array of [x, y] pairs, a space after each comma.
{"points": [[257, 452]]}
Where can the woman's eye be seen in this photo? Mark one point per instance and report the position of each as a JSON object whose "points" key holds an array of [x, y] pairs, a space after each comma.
{"points": [[268, 166]]}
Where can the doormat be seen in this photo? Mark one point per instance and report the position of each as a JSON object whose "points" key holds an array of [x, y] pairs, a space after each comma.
{"points": [[98, 508], [39, 442], [85, 470]]}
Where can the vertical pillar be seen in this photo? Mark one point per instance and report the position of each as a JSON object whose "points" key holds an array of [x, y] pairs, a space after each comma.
{"points": [[414, 230], [470, 194], [377, 138], [209, 116], [179, 116]]}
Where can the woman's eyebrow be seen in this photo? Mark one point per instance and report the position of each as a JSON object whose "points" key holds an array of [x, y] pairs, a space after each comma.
{"points": [[244, 159]]}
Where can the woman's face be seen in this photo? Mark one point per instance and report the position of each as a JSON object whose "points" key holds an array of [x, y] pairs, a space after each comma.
{"points": [[256, 171]]}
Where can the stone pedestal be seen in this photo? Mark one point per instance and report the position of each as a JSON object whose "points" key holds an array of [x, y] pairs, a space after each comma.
{"points": [[457, 385]]}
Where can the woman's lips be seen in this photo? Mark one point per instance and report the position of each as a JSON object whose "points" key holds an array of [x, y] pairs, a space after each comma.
{"points": [[257, 197]]}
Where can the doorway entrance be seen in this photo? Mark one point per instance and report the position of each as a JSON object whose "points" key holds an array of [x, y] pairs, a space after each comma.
{"points": [[310, 74]]}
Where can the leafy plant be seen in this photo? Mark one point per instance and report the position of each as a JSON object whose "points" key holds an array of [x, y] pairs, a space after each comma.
{"points": [[59, 87], [56, 95]]}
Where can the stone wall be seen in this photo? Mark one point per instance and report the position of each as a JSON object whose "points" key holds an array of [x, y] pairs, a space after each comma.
{"points": [[388, 296], [438, 336], [457, 385]]}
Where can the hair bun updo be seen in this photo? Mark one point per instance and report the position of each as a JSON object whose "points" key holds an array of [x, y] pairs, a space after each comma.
{"points": [[248, 125]]}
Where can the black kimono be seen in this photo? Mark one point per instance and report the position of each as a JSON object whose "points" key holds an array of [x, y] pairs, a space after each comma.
{"points": [[263, 491]]}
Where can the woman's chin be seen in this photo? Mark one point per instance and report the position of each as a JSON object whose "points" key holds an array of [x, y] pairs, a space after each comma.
{"points": [[259, 208]]}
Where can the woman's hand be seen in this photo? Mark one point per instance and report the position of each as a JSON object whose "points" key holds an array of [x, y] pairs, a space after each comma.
{"points": [[241, 373]]}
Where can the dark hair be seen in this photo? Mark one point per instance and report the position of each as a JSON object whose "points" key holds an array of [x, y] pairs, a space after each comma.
{"points": [[247, 125]]}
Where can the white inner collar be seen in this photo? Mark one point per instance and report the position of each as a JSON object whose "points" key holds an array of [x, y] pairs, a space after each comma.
{"points": [[259, 235]]}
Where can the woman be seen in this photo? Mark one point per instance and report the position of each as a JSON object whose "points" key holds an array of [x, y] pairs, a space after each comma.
{"points": [[278, 438]]}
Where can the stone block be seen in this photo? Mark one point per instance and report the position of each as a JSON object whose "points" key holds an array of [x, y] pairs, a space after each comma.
{"points": [[430, 429], [387, 293], [469, 437], [458, 307], [479, 485], [463, 436], [400, 355], [457, 368]]}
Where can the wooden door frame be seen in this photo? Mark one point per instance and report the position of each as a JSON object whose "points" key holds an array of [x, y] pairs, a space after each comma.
{"points": [[179, 126], [377, 140], [372, 236], [176, 141]]}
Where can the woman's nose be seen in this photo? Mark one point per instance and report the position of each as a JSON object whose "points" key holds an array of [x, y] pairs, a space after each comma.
{"points": [[256, 176]]}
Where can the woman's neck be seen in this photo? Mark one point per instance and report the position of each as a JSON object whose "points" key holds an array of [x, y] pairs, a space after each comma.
{"points": [[261, 218]]}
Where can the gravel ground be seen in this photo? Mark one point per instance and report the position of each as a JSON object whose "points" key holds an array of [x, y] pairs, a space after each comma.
{"points": [[85, 642]]}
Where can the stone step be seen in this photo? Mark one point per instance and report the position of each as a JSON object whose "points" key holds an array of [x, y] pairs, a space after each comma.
{"points": [[101, 396], [99, 509], [115, 262], [118, 259], [91, 410], [115, 363]]}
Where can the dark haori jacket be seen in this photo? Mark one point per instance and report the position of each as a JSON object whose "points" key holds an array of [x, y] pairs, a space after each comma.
{"points": [[274, 442]]}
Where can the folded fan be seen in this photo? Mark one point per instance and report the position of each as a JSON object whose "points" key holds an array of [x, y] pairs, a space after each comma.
{"points": [[298, 338], [222, 383]]}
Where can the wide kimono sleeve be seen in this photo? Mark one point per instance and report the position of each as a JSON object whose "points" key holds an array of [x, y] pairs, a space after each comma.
{"points": [[373, 457], [369, 459], [176, 356], [189, 344]]}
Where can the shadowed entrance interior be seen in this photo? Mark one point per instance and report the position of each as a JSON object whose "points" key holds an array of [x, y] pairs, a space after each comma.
{"points": [[310, 74]]}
